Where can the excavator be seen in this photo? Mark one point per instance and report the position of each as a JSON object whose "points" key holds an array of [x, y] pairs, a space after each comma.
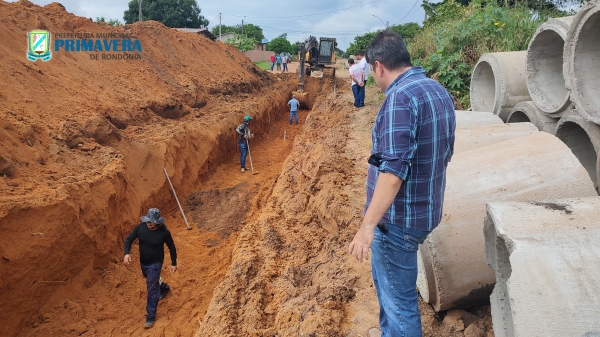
{"points": [[317, 56]]}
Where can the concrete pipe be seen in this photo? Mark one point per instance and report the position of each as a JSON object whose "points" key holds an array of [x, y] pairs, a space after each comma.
{"points": [[583, 138], [470, 118], [529, 112], [545, 80], [581, 68], [452, 265], [498, 82], [545, 257], [471, 137]]}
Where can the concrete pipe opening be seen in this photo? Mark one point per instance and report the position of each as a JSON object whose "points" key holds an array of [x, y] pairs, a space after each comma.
{"points": [[498, 83], [545, 80], [528, 112], [483, 95], [577, 139], [582, 55], [518, 117]]}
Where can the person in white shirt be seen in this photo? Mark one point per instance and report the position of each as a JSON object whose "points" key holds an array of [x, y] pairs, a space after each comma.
{"points": [[358, 82], [365, 67]]}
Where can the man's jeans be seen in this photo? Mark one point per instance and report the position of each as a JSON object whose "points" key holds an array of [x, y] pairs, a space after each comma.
{"points": [[152, 274], [394, 268], [359, 95], [292, 115], [285, 68], [244, 153], [272, 65]]}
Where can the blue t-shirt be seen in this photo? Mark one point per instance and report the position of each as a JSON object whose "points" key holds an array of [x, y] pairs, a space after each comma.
{"points": [[293, 103], [278, 58]]}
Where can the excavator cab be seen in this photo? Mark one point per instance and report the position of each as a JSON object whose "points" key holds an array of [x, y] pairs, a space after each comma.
{"points": [[320, 55]]}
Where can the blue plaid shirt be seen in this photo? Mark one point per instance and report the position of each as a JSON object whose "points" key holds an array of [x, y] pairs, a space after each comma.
{"points": [[414, 135]]}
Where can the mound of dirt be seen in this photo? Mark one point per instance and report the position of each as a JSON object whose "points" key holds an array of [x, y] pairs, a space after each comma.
{"points": [[83, 142]]}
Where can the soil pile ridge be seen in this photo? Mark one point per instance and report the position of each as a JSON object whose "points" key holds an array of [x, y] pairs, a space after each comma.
{"points": [[83, 143]]}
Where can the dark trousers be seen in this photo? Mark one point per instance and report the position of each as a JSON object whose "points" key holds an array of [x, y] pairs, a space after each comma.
{"points": [[359, 95], [243, 153], [152, 274]]}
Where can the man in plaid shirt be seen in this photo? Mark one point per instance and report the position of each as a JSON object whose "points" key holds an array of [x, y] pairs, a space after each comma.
{"points": [[413, 141]]}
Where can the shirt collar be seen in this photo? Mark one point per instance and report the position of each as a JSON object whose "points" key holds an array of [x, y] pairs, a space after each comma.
{"points": [[410, 72]]}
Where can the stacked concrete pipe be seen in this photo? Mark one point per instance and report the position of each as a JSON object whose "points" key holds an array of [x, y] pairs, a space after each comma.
{"points": [[545, 80], [452, 265], [583, 138], [498, 83], [472, 137], [545, 257], [529, 112], [582, 61], [472, 118]]}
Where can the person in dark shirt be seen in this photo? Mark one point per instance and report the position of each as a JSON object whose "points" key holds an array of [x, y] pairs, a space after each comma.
{"points": [[152, 234], [243, 132]]}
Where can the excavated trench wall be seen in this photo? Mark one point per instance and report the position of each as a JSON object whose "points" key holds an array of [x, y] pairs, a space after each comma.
{"points": [[80, 163]]}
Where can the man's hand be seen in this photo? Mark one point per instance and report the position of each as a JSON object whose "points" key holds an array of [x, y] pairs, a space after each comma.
{"points": [[359, 247], [127, 259], [173, 269], [251, 135]]}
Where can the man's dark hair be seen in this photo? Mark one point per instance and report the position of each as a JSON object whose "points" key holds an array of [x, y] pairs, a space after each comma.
{"points": [[350, 61], [389, 49], [360, 53]]}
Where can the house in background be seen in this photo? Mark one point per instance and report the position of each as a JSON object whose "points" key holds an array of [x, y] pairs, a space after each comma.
{"points": [[202, 31], [262, 45], [225, 37]]}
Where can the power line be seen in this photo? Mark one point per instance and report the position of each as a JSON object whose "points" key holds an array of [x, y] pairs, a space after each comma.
{"points": [[408, 12], [300, 16], [208, 26]]}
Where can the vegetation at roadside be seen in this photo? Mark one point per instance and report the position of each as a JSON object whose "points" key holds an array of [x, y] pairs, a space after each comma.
{"points": [[264, 65], [112, 22], [242, 42], [455, 36], [172, 13], [249, 30]]}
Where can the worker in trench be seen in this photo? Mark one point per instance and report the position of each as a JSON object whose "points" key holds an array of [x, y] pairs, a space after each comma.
{"points": [[244, 136], [152, 234], [413, 141]]}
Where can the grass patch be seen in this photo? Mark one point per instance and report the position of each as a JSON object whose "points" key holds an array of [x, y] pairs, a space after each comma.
{"points": [[264, 65]]}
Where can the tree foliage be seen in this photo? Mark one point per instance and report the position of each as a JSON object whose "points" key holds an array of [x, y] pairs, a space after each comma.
{"points": [[407, 31], [112, 22], [279, 44], [295, 48], [250, 30], [242, 42], [172, 13]]}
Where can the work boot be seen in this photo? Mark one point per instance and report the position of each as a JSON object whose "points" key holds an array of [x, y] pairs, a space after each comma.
{"points": [[243, 170], [163, 294], [149, 323]]}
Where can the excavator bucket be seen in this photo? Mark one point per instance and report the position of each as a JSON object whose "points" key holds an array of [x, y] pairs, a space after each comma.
{"points": [[329, 72]]}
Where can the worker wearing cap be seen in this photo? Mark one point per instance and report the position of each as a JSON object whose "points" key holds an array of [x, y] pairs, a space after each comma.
{"points": [[244, 135], [152, 235]]}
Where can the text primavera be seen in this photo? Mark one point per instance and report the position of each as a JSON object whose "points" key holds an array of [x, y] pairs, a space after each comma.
{"points": [[98, 45]]}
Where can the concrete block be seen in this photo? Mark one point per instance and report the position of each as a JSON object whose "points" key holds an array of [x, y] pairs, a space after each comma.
{"points": [[498, 83], [453, 268], [545, 257], [545, 80], [529, 112]]}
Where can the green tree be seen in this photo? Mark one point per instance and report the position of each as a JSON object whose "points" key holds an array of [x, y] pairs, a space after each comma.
{"points": [[279, 44], [295, 49], [250, 31], [242, 42], [172, 13], [111, 22], [407, 31]]}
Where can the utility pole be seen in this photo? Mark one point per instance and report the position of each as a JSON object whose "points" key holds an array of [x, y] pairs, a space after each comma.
{"points": [[243, 25], [140, 9], [220, 27]]}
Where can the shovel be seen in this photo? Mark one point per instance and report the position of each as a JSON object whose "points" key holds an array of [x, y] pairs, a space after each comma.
{"points": [[250, 156]]}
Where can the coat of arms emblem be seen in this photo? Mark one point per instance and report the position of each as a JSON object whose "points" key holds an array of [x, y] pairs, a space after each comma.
{"points": [[39, 45]]}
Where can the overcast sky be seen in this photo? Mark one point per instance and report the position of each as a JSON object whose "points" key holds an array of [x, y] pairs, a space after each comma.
{"points": [[330, 18]]}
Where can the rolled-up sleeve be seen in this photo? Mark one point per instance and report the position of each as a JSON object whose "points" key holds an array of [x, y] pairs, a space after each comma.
{"points": [[397, 127]]}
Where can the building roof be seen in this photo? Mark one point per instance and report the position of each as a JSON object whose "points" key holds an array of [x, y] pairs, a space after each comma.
{"points": [[202, 31]]}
